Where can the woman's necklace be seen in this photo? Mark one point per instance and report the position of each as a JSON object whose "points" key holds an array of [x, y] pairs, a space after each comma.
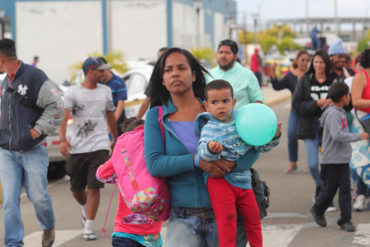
{"points": [[320, 78]]}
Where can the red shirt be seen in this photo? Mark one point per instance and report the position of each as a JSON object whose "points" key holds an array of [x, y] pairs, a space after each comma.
{"points": [[366, 93]]}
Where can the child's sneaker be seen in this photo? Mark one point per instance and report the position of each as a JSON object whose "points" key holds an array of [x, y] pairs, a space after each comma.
{"points": [[348, 227], [359, 204], [89, 236]]}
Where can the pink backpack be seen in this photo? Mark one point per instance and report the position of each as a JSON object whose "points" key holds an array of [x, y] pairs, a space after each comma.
{"points": [[143, 194]]}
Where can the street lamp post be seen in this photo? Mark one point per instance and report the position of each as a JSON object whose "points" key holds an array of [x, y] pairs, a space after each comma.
{"points": [[255, 21]]}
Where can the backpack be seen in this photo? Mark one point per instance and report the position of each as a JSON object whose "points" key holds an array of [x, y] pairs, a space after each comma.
{"points": [[142, 193], [261, 193]]}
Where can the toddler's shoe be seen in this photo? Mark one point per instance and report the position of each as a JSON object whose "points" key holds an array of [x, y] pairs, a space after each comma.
{"points": [[348, 227], [319, 219]]}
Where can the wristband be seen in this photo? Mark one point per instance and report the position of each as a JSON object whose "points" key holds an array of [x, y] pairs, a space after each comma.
{"points": [[196, 161]]}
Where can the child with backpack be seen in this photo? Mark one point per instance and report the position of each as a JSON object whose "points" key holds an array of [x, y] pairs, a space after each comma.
{"points": [[142, 207], [335, 158], [218, 138]]}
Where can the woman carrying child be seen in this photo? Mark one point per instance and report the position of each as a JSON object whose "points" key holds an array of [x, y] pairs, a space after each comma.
{"points": [[177, 85]]}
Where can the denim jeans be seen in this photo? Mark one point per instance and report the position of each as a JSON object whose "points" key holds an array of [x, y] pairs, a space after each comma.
{"points": [[194, 228], [29, 167], [292, 136], [312, 153]]}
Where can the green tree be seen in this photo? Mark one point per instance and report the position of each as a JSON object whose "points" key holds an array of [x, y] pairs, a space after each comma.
{"points": [[114, 58], [363, 44], [206, 54], [287, 44], [245, 37]]}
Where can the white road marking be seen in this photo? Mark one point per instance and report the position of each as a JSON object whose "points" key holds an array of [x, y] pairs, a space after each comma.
{"points": [[362, 235], [61, 237]]}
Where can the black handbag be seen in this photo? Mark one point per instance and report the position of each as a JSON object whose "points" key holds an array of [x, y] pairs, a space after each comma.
{"points": [[365, 122]]}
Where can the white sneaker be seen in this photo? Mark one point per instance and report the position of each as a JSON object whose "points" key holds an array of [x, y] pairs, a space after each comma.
{"points": [[359, 204], [89, 236], [331, 208]]}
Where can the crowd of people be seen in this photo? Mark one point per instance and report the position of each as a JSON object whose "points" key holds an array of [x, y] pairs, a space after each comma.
{"points": [[188, 127]]}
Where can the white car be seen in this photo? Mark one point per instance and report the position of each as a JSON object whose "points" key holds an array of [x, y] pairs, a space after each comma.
{"points": [[136, 80]]}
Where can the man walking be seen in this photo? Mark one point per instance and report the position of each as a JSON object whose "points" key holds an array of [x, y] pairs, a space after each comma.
{"points": [[244, 82], [91, 106], [30, 109], [119, 94]]}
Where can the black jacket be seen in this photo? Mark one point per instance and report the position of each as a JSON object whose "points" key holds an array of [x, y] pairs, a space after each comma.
{"points": [[305, 106], [17, 119]]}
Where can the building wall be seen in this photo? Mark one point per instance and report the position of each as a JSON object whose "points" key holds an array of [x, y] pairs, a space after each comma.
{"points": [[63, 32], [139, 29], [60, 33]]}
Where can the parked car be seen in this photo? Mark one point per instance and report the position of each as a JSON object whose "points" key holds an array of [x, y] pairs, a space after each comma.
{"points": [[136, 80]]}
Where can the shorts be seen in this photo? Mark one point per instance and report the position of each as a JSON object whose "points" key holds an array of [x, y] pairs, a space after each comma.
{"points": [[82, 169]]}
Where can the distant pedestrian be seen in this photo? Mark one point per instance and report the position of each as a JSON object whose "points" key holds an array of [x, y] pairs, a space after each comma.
{"points": [[256, 64], [335, 158], [91, 106], [309, 101], [361, 160], [244, 82], [119, 94], [35, 61], [300, 67], [30, 110]]}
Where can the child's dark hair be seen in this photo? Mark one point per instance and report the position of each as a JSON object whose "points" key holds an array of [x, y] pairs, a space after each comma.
{"points": [[131, 123], [218, 85], [337, 90]]}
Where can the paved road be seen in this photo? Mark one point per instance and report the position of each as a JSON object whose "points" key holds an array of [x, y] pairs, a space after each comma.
{"points": [[288, 224]]}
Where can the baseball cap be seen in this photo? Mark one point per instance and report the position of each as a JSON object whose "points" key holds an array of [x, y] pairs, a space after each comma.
{"points": [[94, 63], [336, 48]]}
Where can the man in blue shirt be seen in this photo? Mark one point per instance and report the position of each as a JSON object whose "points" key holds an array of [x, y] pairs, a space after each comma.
{"points": [[119, 94]]}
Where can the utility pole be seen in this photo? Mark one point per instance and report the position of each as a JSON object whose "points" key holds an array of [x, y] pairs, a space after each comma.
{"points": [[336, 17]]}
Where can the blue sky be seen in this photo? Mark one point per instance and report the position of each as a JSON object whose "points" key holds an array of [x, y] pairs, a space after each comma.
{"points": [[272, 9]]}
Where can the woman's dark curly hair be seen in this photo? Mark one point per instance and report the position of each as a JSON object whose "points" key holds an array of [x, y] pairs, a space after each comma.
{"points": [[365, 60], [159, 95]]}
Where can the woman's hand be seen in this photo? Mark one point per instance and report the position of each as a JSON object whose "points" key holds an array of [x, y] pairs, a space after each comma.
{"points": [[217, 168]]}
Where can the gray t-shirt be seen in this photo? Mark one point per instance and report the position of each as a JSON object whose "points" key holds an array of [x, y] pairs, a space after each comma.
{"points": [[88, 108]]}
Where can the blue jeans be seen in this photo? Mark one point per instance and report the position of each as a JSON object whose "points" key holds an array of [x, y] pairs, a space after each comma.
{"points": [[292, 136], [194, 228], [29, 167], [312, 153]]}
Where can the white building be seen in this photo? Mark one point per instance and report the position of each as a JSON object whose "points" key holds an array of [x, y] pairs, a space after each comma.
{"points": [[62, 33]]}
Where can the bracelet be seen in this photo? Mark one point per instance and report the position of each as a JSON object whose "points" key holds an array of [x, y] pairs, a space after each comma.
{"points": [[196, 161]]}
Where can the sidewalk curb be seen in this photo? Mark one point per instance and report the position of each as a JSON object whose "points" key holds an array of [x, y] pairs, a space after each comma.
{"points": [[278, 99]]}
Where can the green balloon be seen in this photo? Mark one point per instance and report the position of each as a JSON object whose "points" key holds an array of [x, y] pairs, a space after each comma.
{"points": [[256, 124]]}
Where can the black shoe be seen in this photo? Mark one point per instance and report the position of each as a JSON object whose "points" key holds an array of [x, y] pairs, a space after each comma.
{"points": [[319, 219], [348, 227]]}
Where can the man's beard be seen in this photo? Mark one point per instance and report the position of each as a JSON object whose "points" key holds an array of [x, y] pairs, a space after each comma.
{"points": [[227, 66]]}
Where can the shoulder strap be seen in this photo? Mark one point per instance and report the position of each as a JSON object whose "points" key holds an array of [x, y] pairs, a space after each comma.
{"points": [[160, 114], [24, 101]]}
